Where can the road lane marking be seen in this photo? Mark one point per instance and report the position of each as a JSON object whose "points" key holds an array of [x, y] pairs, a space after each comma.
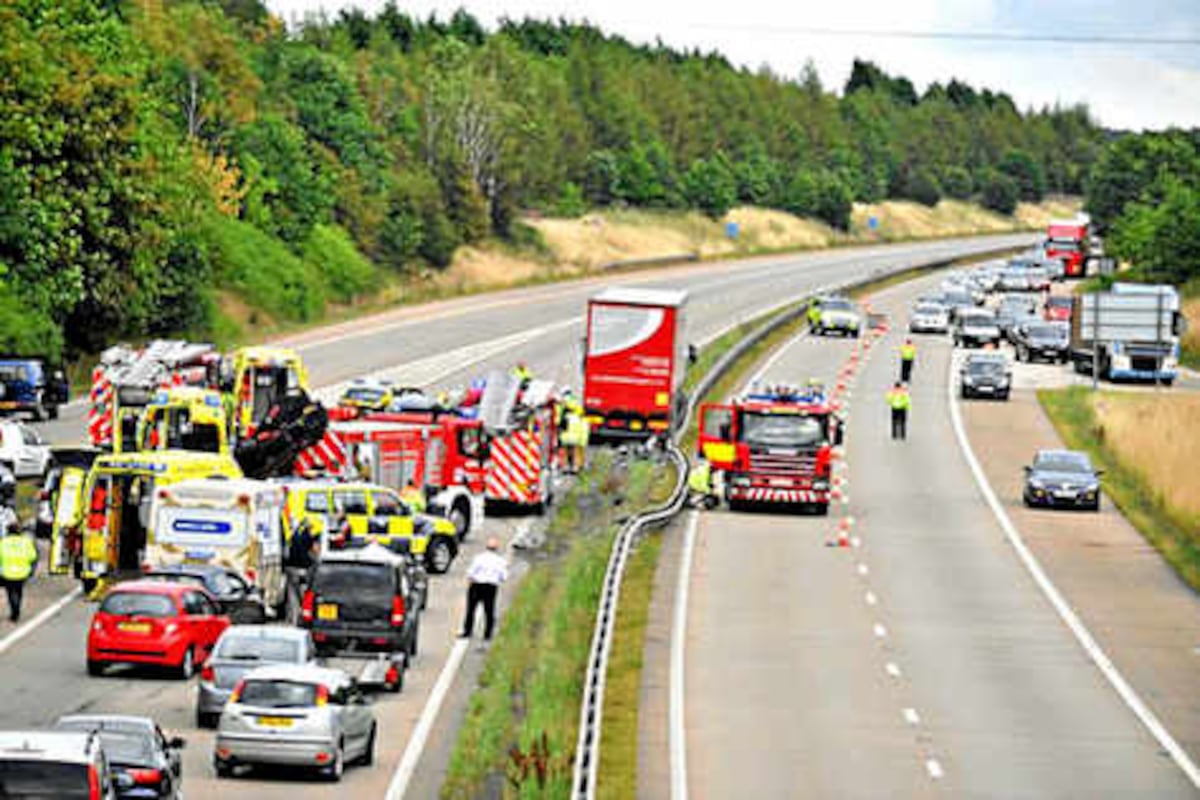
{"points": [[880, 631], [1089, 644], [863, 569], [420, 736], [892, 669], [871, 599], [911, 716], [678, 732], [934, 768], [45, 614]]}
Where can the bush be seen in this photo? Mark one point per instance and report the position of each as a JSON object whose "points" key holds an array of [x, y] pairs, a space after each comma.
{"points": [[957, 182], [331, 253], [835, 201], [1000, 193], [264, 271], [710, 186], [570, 202], [25, 330], [1027, 172], [920, 184]]}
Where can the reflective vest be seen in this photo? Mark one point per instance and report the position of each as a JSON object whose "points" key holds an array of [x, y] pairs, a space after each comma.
{"points": [[700, 478], [576, 433], [908, 352], [414, 498], [899, 400], [814, 313], [17, 557]]}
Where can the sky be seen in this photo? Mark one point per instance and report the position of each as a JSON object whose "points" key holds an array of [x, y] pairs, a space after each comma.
{"points": [[1126, 86]]}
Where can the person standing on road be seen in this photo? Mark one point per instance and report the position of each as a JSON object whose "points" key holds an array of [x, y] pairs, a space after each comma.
{"points": [[813, 314], [900, 402], [700, 482], [413, 497], [908, 355], [488, 570], [18, 557]]}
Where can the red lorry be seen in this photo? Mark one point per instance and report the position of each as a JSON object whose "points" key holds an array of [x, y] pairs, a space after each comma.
{"points": [[774, 447], [1067, 240], [634, 362]]}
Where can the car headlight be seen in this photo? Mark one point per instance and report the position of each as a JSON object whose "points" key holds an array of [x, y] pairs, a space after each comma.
{"points": [[968, 380], [1034, 483]]}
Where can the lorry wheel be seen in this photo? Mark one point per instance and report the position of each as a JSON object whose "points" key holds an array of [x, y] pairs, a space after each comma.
{"points": [[821, 509]]}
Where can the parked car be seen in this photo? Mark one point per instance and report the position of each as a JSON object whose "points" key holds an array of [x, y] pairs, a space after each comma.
{"points": [[1058, 308], [240, 649], [1049, 341], [985, 375], [137, 750], [957, 299], [1013, 279], [23, 451], [240, 601], [303, 716], [40, 765], [28, 386], [976, 327], [929, 318], [1062, 478], [154, 623]]}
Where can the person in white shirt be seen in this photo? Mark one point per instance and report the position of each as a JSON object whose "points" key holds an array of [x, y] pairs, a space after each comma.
{"points": [[488, 570]]}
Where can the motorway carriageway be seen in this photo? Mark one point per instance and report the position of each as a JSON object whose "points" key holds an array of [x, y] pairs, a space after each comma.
{"points": [[440, 344], [924, 662]]}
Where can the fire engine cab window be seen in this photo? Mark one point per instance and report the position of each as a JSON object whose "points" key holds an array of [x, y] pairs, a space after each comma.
{"points": [[781, 430], [616, 328], [718, 422], [469, 442]]}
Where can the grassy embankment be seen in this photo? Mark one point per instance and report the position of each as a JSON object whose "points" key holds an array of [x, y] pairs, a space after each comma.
{"points": [[1148, 445], [518, 738], [1191, 338]]}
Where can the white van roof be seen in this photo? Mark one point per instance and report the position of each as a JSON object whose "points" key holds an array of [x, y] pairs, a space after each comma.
{"points": [[642, 297], [209, 489]]}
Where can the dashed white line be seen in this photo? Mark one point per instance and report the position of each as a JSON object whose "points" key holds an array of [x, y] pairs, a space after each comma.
{"points": [[911, 716], [871, 599], [863, 569], [892, 669], [880, 631], [934, 768]]}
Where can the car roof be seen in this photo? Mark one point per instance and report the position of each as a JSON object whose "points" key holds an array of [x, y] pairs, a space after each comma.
{"points": [[371, 554], [301, 673], [978, 358], [146, 586], [265, 632], [74, 746], [1049, 453], [111, 722]]}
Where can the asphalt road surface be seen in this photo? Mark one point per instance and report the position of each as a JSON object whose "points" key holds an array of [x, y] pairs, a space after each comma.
{"points": [[924, 662], [439, 344]]}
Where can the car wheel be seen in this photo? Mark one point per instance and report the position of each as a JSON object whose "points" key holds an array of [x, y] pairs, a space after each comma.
{"points": [[187, 666], [333, 773], [368, 756], [52, 412], [1004, 396], [438, 556], [413, 641], [223, 768], [206, 720], [95, 668], [461, 519]]}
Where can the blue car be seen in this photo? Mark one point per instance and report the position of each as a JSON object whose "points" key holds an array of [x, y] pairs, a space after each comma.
{"points": [[1062, 479], [27, 386]]}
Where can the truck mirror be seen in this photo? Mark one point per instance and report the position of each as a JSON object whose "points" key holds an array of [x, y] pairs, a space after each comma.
{"points": [[693, 355]]}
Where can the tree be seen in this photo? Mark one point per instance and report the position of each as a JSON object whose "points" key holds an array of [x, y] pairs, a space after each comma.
{"points": [[1132, 164], [956, 181], [1159, 237], [1027, 172], [1000, 192], [920, 184], [710, 186]]}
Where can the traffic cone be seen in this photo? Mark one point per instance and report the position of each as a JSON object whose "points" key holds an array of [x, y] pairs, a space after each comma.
{"points": [[843, 538]]}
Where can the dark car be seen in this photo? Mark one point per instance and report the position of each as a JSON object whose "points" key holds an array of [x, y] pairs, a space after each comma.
{"points": [[240, 601], [1062, 478], [147, 764], [28, 385], [985, 375], [1049, 341], [362, 599]]}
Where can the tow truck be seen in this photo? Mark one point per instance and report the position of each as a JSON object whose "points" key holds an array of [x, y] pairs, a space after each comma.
{"points": [[775, 446]]}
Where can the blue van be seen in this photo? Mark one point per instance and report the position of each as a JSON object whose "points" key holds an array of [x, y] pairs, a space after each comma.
{"points": [[27, 386]]}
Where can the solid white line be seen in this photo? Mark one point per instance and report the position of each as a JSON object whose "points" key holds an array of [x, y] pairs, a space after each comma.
{"points": [[892, 669], [45, 614], [911, 716], [1065, 612], [934, 768], [420, 735], [678, 730]]}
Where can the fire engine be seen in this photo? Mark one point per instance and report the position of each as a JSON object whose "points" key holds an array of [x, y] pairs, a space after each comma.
{"points": [[774, 446]]}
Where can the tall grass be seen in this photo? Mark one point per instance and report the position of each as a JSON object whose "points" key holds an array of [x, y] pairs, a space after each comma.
{"points": [[1191, 338], [1149, 446]]}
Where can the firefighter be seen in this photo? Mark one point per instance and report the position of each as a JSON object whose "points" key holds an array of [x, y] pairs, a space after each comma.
{"points": [[575, 439], [413, 497], [900, 402], [814, 314], [700, 482], [18, 557], [523, 374], [908, 354]]}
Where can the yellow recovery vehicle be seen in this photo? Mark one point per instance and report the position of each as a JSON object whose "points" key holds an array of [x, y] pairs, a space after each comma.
{"points": [[184, 418]]}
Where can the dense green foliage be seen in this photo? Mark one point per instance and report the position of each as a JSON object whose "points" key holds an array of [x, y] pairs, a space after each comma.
{"points": [[1144, 192], [153, 150]]}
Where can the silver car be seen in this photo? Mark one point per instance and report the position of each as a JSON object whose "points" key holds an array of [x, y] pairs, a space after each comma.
{"points": [[301, 716], [929, 318], [240, 649]]}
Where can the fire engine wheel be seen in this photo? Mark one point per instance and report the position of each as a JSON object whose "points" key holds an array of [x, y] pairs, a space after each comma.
{"points": [[439, 556]]}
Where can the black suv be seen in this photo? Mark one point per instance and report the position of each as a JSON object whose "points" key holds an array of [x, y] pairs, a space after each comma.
{"points": [[1046, 340], [362, 600], [985, 375]]}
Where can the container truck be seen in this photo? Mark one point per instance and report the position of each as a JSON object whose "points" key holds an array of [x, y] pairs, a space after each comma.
{"points": [[1128, 333]]}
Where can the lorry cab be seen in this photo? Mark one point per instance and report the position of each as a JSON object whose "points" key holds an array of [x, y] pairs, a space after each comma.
{"points": [[102, 529], [28, 386], [261, 377], [375, 514], [235, 524], [184, 418]]}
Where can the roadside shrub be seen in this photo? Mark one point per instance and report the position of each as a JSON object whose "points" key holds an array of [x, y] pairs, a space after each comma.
{"points": [[570, 202], [710, 186], [957, 182], [331, 253], [922, 185], [264, 271], [1000, 193]]}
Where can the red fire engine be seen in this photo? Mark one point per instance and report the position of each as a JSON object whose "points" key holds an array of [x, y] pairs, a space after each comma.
{"points": [[773, 447]]}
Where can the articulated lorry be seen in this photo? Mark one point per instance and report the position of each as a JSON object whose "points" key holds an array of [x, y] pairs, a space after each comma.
{"points": [[1128, 333]]}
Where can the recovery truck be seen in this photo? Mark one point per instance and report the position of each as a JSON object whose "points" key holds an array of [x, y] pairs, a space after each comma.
{"points": [[775, 447], [1128, 333], [1067, 241], [635, 357]]}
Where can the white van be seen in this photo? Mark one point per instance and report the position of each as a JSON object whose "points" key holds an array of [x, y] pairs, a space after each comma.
{"points": [[235, 524]]}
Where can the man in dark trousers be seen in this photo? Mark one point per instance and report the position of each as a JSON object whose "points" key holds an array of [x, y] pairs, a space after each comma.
{"points": [[900, 402], [908, 354], [18, 557], [488, 570]]}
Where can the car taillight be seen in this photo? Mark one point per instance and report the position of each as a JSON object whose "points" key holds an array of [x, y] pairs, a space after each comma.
{"points": [[397, 611], [322, 695], [43, 496], [207, 673], [236, 694], [145, 777], [306, 606]]}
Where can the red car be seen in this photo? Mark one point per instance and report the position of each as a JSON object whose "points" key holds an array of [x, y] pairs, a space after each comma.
{"points": [[155, 623], [1058, 309]]}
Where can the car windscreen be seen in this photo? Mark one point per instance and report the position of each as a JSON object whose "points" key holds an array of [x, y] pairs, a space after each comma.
{"points": [[138, 604], [977, 319], [837, 305], [1060, 462], [782, 430], [929, 308], [43, 780], [985, 367], [258, 648], [278, 694], [1052, 333], [358, 583], [361, 395]]}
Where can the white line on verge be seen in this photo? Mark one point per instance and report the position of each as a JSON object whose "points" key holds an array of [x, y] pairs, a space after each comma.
{"points": [[678, 732], [45, 614], [934, 768], [892, 669], [420, 735], [1065, 612], [911, 716], [871, 599]]}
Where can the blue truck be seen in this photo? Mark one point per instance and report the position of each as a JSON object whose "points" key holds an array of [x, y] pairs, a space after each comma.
{"points": [[28, 386]]}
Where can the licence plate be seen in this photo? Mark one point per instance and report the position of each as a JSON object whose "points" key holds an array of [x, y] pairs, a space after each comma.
{"points": [[275, 722], [8, 404], [134, 627], [986, 389], [327, 611], [1065, 495]]}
